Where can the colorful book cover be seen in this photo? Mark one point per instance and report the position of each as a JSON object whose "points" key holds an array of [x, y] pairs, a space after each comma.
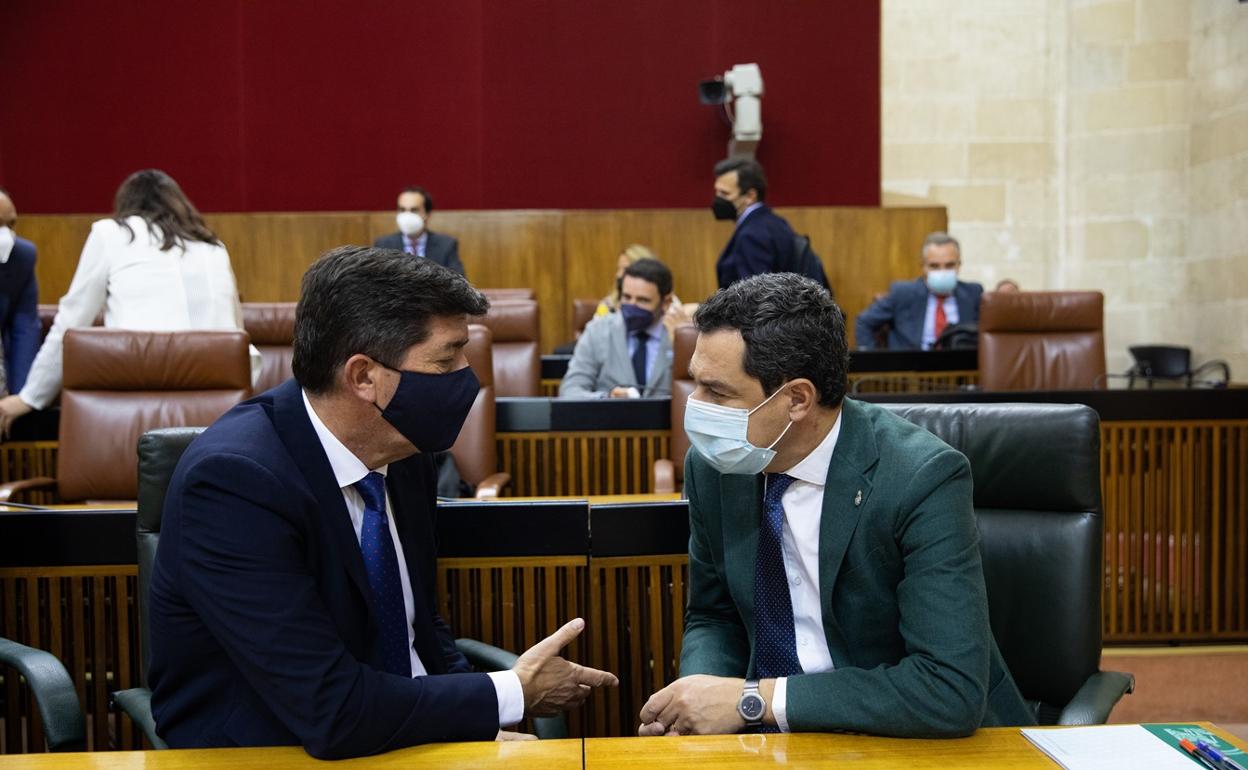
{"points": [[1172, 734]]}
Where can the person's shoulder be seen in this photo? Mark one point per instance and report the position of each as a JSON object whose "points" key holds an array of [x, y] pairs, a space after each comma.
{"points": [[602, 325], [897, 437], [389, 241], [112, 228], [24, 250], [245, 433], [435, 237], [972, 287]]}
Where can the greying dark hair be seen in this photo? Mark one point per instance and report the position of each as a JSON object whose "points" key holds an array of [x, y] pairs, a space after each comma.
{"points": [[378, 302], [791, 327], [424, 194], [938, 238], [654, 271], [153, 195], [749, 175]]}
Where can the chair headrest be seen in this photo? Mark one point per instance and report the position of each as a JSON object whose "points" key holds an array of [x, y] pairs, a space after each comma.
{"points": [[270, 323], [683, 343], [512, 320], [119, 359], [480, 353], [1047, 311]]}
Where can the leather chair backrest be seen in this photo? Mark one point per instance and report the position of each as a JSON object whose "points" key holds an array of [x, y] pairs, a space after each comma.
{"points": [[475, 453], [497, 294], [683, 342], [517, 356], [1036, 469], [47, 314], [272, 329], [1041, 340], [583, 309], [159, 452], [118, 384]]}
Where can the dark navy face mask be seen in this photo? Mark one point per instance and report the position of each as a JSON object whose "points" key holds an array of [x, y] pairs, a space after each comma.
{"points": [[430, 409], [636, 317]]}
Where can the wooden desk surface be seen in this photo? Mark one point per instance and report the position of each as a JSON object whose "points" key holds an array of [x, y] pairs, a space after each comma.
{"points": [[997, 747], [519, 755]]}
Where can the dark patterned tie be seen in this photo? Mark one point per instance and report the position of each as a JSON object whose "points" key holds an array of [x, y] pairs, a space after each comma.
{"points": [[639, 359], [382, 566], [775, 641]]}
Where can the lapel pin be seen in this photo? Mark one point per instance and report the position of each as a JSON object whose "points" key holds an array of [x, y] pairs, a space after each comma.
{"points": [[858, 498]]}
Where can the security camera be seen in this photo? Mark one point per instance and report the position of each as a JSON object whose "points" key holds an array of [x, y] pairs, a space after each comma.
{"points": [[740, 90]]}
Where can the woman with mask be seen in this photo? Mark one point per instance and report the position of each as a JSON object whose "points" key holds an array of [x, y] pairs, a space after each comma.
{"points": [[153, 266]]}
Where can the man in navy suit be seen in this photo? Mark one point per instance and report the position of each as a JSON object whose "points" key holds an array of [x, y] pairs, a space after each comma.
{"points": [[19, 298], [916, 312], [292, 599], [763, 242], [414, 236]]}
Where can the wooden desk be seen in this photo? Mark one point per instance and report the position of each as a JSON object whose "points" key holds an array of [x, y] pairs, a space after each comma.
{"points": [[998, 747], [520, 755]]}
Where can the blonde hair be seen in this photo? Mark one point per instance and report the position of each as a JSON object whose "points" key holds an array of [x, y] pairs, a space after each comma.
{"points": [[633, 252]]}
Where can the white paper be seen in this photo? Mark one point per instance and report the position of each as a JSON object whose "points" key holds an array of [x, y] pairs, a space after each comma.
{"points": [[1107, 747]]}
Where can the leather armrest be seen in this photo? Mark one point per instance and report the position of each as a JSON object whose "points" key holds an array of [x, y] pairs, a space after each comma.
{"points": [[10, 488], [664, 477], [137, 704], [492, 486], [487, 657], [54, 692], [1092, 704]]}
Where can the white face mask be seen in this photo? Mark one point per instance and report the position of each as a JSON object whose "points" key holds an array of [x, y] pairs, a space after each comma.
{"points": [[7, 239], [942, 281], [410, 223], [721, 435]]}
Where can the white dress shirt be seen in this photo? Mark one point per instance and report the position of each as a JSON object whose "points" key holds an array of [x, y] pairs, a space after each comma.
{"points": [[803, 513], [138, 286], [348, 469], [929, 318]]}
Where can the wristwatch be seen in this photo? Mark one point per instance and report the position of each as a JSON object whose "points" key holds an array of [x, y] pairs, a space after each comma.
{"points": [[751, 707]]}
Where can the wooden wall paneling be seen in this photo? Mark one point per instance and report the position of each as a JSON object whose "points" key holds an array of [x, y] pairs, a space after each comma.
{"points": [[271, 251], [59, 239]]}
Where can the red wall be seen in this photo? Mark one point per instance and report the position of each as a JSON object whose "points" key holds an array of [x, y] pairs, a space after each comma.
{"points": [[314, 105]]}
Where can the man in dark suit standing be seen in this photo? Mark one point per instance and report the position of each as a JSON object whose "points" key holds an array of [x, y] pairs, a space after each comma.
{"points": [[916, 312], [19, 298], [293, 594], [414, 236], [834, 570], [763, 242]]}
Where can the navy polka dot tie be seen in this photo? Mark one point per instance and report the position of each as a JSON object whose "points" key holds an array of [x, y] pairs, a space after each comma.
{"points": [[775, 642], [382, 566]]}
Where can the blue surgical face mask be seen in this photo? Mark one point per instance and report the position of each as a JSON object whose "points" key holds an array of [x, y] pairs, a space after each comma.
{"points": [[721, 435], [430, 409], [942, 281], [636, 317]]}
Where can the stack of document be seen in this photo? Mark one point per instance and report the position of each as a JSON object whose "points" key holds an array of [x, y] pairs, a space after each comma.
{"points": [[1124, 746]]}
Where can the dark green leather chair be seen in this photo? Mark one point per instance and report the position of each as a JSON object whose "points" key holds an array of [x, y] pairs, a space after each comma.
{"points": [[159, 452], [63, 725], [1038, 506]]}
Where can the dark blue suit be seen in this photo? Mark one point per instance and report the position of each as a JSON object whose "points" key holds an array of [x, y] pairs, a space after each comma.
{"points": [[905, 308], [440, 248], [262, 632], [19, 313], [762, 243]]}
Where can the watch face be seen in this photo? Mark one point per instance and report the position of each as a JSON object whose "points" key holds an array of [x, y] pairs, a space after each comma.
{"points": [[751, 707]]}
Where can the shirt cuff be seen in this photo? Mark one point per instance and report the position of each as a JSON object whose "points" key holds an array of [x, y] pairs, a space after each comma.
{"points": [[510, 697], [778, 709]]}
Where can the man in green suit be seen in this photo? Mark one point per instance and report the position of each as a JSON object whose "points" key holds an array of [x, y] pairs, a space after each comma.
{"points": [[834, 570]]}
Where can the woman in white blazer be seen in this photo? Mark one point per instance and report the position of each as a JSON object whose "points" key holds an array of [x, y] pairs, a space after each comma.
{"points": [[154, 266]]}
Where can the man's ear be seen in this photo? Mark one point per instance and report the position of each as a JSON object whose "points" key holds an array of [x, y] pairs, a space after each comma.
{"points": [[360, 377], [803, 398]]}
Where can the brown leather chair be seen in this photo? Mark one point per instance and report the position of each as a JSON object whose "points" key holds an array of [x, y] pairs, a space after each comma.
{"points": [[497, 294], [47, 314], [1041, 340], [272, 329], [517, 356], [669, 475], [475, 452], [583, 309], [118, 384]]}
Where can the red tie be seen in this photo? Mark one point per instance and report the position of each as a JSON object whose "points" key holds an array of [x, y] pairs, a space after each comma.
{"points": [[941, 320]]}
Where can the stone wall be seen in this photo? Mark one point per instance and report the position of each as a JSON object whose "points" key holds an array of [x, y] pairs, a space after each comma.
{"points": [[1095, 144]]}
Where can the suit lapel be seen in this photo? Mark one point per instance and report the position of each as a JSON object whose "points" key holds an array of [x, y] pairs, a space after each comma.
{"points": [[617, 340], [418, 552], [297, 433], [663, 365], [844, 496], [741, 505]]}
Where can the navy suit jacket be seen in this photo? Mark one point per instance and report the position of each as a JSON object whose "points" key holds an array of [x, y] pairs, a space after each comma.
{"points": [[19, 313], [905, 308], [762, 243], [261, 626], [442, 249]]}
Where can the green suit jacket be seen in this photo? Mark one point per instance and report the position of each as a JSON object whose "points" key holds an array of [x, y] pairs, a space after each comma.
{"points": [[901, 587]]}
